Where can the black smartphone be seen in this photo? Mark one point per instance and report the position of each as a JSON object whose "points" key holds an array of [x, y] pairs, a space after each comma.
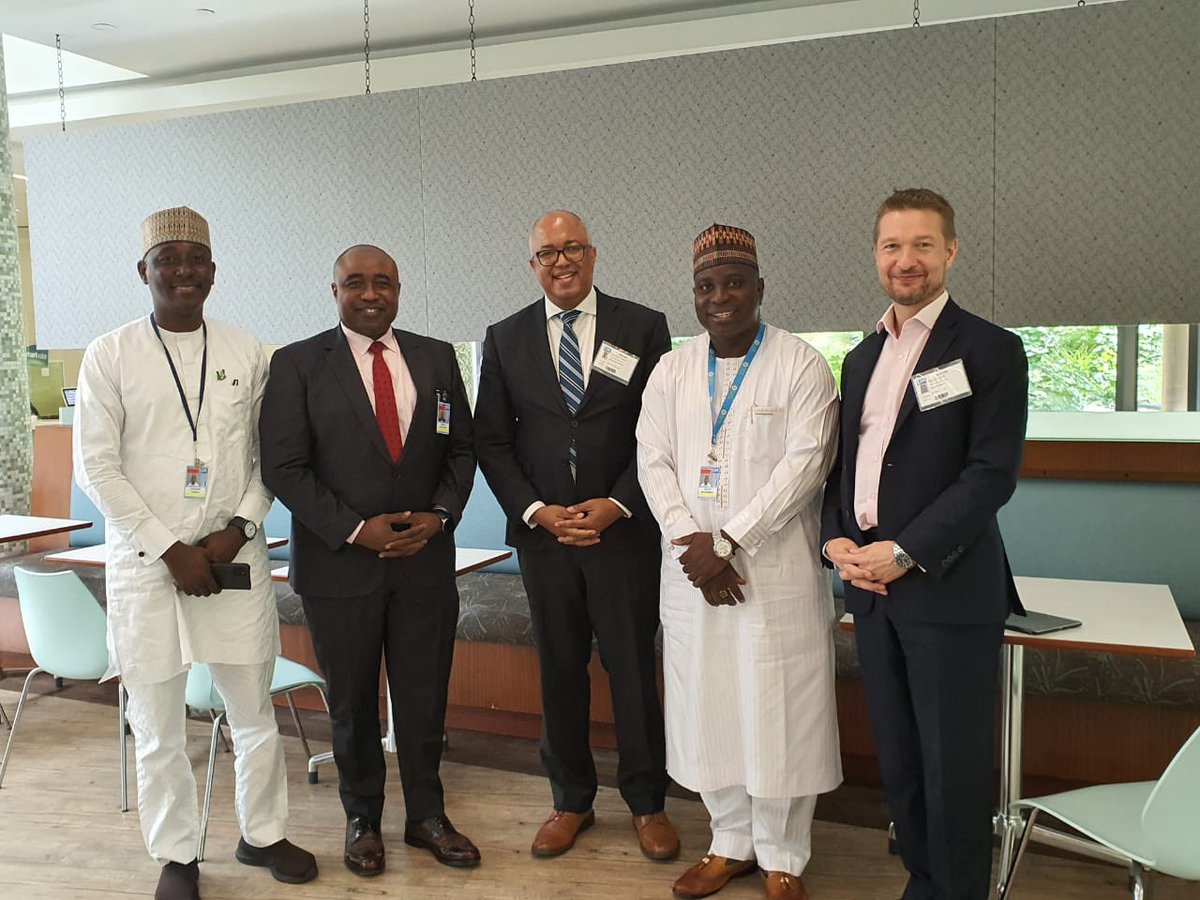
{"points": [[401, 526], [232, 576]]}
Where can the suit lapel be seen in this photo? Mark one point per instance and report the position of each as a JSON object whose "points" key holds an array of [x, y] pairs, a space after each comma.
{"points": [[347, 374], [424, 412], [945, 329], [608, 328], [539, 348]]}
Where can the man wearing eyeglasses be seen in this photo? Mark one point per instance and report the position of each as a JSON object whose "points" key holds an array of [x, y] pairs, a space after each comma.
{"points": [[559, 398]]}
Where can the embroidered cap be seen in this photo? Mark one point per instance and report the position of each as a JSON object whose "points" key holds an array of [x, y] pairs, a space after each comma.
{"points": [[179, 223], [723, 244]]}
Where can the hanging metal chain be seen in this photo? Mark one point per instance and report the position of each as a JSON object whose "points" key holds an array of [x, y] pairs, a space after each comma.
{"points": [[471, 22], [62, 91], [367, 43], [916, 13]]}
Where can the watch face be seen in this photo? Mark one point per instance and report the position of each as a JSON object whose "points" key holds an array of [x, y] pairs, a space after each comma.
{"points": [[722, 548]]}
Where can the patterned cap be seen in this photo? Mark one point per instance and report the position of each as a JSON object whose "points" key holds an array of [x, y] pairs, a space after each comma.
{"points": [[723, 244], [179, 223]]}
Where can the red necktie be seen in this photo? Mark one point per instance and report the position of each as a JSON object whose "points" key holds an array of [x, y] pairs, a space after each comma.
{"points": [[385, 403]]}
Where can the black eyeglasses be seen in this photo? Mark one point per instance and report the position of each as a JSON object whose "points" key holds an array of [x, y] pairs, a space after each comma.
{"points": [[548, 256]]}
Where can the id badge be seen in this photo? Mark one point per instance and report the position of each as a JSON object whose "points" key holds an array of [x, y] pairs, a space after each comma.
{"points": [[617, 364], [443, 416], [945, 384], [195, 482], [710, 482]]}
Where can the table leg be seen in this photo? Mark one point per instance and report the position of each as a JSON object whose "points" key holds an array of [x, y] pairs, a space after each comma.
{"points": [[1009, 822]]}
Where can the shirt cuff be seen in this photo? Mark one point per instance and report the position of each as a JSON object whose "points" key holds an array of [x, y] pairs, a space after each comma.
{"points": [[624, 509], [152, 539], [527, 516], [825, 549], [354, 533]]}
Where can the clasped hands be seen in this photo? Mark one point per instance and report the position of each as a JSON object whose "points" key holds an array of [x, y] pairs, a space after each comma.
{"points": [[716, 578], [191, 566], [378, 535], [579, 525], [871, 567]]}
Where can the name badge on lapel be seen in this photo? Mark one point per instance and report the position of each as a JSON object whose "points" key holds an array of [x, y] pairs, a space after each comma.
{"points": [[614, 362], [443, 412], [945, 384]]}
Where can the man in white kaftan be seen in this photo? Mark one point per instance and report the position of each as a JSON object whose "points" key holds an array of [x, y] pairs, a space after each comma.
{"points": [[166, 445], [749, 674]]}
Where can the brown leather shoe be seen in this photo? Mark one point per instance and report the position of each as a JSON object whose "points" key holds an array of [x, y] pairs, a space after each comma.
{"points": [[657, 836], [557, 834], [782, 886], [178, 881], [710, 875], [441, 839], [364, 847]]}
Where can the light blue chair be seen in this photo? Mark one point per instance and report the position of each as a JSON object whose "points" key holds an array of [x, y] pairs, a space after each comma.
{"points": [[65, 629], [202, 696], [1155, 825]]}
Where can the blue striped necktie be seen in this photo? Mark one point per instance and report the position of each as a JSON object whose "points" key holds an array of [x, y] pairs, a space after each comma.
{"points": [[570, 369]]}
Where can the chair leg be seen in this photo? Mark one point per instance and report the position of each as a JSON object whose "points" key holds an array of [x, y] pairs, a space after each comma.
{"points": [[1139, 882], [1022, 846], [320, 758], [208, 782], [124, 747], [16, 722], [296, 721], [216, 719], [4, 719]]}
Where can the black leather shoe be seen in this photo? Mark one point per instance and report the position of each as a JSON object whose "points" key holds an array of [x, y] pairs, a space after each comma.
{"points": [[287, 862], [364, 847], [179, 881], [439, 837]]}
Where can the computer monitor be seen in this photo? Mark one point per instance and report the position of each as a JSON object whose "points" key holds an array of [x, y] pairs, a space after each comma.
{"points": [[69, 396]]}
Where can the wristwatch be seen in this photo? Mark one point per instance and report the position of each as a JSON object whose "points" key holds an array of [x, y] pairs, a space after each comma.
{"points": [[902, 559], [722, 548], [245, 526], [444, 516]]}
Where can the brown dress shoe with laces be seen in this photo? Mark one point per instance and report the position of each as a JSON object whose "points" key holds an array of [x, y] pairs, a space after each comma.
{"points": [[557, 834], [710, 875], [657, 836], [782, 886]]}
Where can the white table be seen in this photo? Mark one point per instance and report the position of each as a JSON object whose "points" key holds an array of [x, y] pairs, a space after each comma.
{"points": [[1117, 617], [466, 559], [22, 528], [97, 554]]}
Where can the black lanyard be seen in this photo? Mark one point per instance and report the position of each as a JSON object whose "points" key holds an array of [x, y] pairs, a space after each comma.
{"points": [[187, 410]]}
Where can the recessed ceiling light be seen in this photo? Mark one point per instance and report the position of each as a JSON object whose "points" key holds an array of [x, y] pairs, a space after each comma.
{"points": [[205, 9], [104, 26]]}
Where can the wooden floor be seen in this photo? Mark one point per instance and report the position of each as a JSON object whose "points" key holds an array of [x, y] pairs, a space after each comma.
{"points": [[62, 836]]}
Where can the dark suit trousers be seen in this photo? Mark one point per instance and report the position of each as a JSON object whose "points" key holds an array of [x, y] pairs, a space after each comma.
{"points": [[573, 593], [931, 692], [413, 628]]}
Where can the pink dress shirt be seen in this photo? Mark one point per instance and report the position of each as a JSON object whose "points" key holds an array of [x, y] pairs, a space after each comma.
{"points": [[885, 392]]}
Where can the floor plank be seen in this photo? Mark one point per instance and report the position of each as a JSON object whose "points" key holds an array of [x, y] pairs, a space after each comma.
{"points": [[62, 837]]}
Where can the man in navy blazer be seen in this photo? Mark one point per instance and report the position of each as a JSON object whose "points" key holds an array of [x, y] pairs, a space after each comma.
{"points": [[932, 429], [366, 437], [560, 392]]}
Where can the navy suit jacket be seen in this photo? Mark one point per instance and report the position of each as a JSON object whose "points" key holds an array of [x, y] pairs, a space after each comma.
{"points": [[325, 459], [946, 473], [523, 429]]}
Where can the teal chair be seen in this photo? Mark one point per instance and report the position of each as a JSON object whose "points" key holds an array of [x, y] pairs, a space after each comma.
{"points": [[65, 629], [1155, 825], [202, 696]]}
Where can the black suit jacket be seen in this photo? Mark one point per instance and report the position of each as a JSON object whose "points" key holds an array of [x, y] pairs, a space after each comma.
{"points": [[523, 429], [324, 457], [946, 473]]}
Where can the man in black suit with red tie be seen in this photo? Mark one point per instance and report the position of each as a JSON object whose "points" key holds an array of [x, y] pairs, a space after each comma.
{"points": [[366, 437], [933, 425], [555, 439]]}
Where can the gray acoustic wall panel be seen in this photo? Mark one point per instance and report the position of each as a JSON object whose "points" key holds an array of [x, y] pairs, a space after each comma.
{"points": [[1098, 165], [284, 189], [796, 142]]}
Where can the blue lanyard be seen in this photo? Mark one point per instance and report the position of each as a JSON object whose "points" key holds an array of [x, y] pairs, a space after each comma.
{"points": [[737, 381], [187, 410]]}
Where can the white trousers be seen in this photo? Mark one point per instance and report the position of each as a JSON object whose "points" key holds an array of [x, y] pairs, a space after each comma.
{"points": [[777, 831], [167, 804]]}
